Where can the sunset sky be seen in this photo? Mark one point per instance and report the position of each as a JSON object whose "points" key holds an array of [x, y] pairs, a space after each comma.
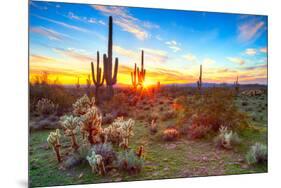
{"points": [[64, 39]]}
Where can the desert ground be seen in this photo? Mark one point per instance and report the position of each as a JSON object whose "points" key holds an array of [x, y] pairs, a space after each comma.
{"points": [[189, 154]]}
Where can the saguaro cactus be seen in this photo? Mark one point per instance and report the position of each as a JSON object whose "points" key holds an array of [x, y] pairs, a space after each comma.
{"points": [[109, 78], [141, 73], [98, 79], [236, 85], [199, 82], [138, 76], [134, 77]]}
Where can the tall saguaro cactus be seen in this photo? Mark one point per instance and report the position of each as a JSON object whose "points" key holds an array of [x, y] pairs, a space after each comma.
{"points": [[98, 79], [138, 75], [141, 73], [134, 77], [236, 85], [199, 82], [110, 78]]}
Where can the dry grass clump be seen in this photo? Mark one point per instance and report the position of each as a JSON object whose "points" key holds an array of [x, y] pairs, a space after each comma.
{"points": [[170, 134]]}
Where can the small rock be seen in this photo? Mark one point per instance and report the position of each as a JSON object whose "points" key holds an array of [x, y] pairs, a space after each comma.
{"points": [[80, 175], [171, 146], [245, 166], [118, 179]]}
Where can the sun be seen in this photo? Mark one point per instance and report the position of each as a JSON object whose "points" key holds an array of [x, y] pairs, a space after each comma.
{"points": [[147, 83]]}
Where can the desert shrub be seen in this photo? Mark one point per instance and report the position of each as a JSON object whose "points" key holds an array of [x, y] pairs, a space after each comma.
{"points": [[153, 116], [129, 162], [227, 139], [54, 92], [45, 107], [257, 154], [170, 134], [215, 107], [196, 131], [170, 114], [106, 151]]}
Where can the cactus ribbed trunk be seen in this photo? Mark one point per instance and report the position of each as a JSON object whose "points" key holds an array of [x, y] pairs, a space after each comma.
{"points": [[134, 77], [74, 144], [199, 82], [110, 78], [98, 79], [57, 151]]}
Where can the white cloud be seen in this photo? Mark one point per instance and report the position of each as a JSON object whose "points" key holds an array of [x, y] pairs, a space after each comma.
{"points": [[250, 51], [190, 57], [235, 60], [263, 50], [174, 45], [250, 30], [126, 21], [49, 33], [208, 61]]}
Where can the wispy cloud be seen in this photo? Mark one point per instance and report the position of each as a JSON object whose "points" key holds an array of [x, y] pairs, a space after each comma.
{"points": [[78, 55], [35, 5], [174, 45], [63, 24], [250, 51], [236, 60], [263, 50], [85, 19], [250, 30], [154, 55], [41, 59], [150, 55], [208, 61], [49, 33], [190, 57], [126, 21]]}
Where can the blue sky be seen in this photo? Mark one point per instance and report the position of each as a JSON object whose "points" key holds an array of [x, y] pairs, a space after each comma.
{"points": [[64, 39]]}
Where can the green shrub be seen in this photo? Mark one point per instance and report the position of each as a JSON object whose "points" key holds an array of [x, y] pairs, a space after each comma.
{"points": [[206, 112], [129, 162], [257, 154], [106, 151], [46, 107]]}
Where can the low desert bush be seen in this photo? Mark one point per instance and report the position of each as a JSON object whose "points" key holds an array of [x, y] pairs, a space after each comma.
{"points": [[106, 151], [168, 115], [257, 154], [46, 107], [206, 112], [129, 162], [170, 134], [226, 139]]}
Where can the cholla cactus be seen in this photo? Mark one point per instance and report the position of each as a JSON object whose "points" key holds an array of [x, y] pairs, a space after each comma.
{"points": [[53, 141], [71, 126], [257, 154], [91, 125], [226, 138], [82, 105], [126, 132], [45, 106], [96, 162], [120, 131], [140, 151]]}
